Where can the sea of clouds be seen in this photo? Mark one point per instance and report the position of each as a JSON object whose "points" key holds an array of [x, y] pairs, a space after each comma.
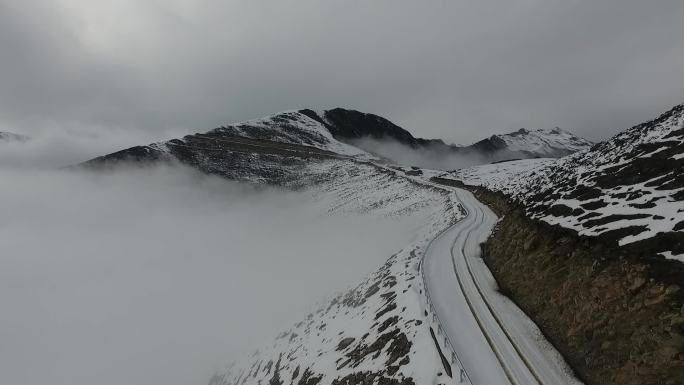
{"points": [[157, 275]]}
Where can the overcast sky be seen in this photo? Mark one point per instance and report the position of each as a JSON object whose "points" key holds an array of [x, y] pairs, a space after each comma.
{"points": [[458, 70]]}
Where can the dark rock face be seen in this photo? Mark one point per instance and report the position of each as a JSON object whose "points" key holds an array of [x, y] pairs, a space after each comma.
{"points": [[371, 378], [490, 145], [349, 124], [616, 315]]}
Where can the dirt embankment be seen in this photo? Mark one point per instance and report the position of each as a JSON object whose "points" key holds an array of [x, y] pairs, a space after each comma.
{"points": [[616, 314]]}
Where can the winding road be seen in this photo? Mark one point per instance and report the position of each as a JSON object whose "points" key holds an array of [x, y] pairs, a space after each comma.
{"points": [[495, 342]]}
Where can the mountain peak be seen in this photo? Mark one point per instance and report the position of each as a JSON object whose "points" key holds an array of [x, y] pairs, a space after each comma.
{"points": [[558, 130], [525, 143], [345, 124]]}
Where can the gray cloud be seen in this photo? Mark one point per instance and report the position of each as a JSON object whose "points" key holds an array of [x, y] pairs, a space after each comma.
{"points": [[430, 156], [455, 70], [146, 276], [56, 147], [158, 275]]}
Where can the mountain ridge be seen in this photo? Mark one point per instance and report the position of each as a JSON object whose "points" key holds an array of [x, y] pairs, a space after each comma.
{"points": [[343, 132], [353, 127]]}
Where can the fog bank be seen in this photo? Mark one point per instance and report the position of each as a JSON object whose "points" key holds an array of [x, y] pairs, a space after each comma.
{"points": [[60, 146], [432, 157], [157, 275]]}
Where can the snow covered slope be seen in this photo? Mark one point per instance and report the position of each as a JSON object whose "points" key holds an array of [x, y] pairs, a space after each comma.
{"points": [[552, 143], [379, 331], [628, 189], [332, 133], [522, 144], [293, 127]]}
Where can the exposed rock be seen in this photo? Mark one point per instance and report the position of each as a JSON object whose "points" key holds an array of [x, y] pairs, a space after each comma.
{"points": [[616, 315]]}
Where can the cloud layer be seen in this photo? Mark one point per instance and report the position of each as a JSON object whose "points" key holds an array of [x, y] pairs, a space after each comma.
{"points": [[158, 275], [455, 70]]}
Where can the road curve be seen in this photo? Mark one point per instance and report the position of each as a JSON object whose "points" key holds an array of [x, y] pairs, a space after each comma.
{"points": [[491, 337]]}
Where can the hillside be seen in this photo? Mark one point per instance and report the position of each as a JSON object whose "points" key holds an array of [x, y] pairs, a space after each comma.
{"points": [[522, 144], [280, 150], [628, 189], [591, 247]]}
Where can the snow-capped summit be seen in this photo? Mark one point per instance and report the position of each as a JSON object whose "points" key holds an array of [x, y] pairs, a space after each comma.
{"points": [[522, 144]]}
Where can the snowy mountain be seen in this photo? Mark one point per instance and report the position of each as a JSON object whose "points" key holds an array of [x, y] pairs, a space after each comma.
{"points": [[523, 144], [353, 127], [628, 189], [11, 137], [280, 150]]}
